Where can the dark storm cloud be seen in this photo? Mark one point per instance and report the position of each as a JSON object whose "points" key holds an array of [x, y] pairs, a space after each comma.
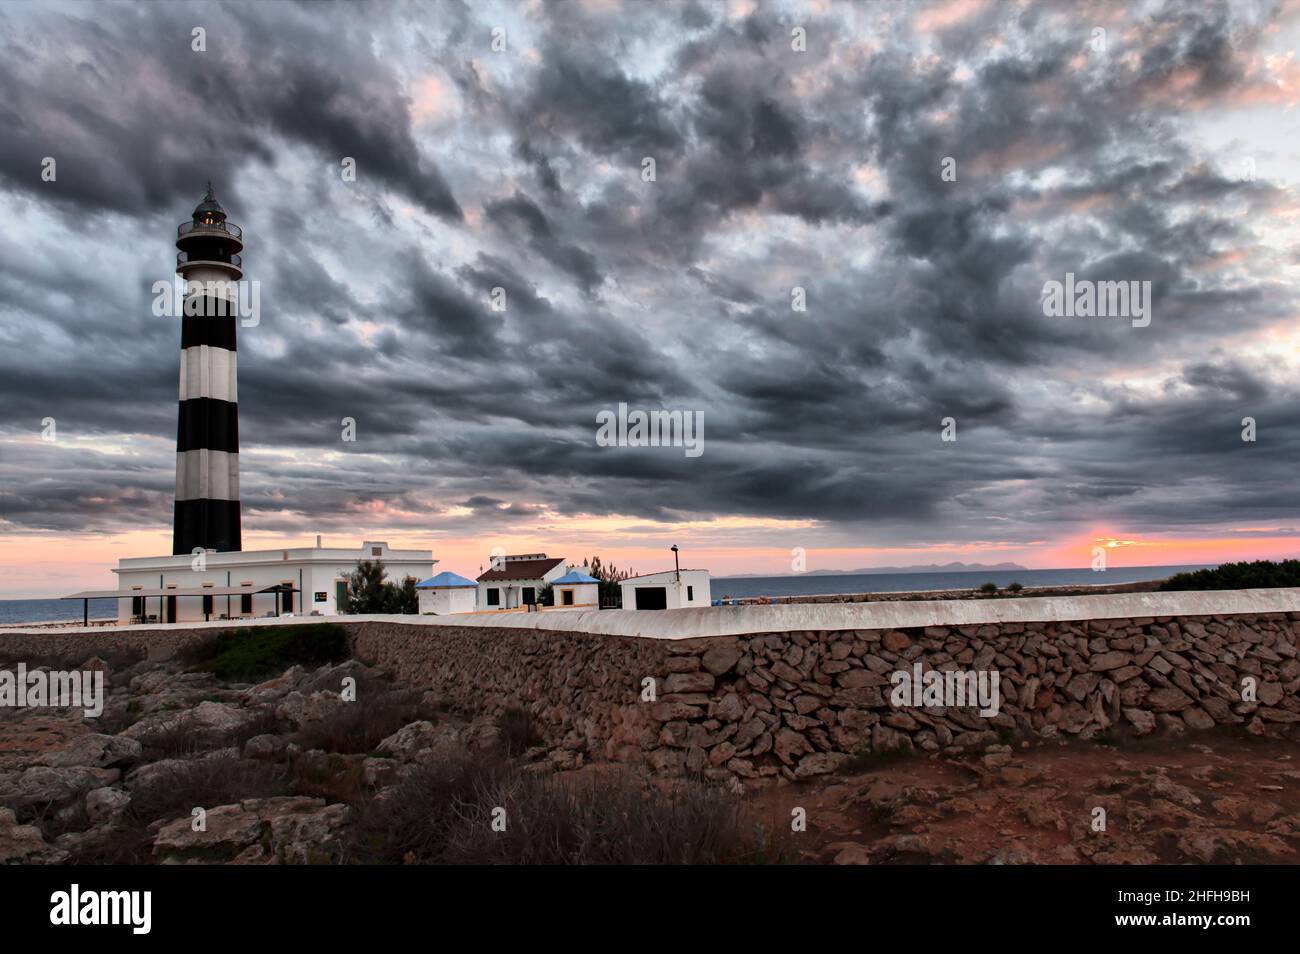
{"points": [[522, 171]]}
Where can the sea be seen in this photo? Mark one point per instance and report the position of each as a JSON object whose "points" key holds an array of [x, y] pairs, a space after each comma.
{"points": [[834, 583], [35, 611]]}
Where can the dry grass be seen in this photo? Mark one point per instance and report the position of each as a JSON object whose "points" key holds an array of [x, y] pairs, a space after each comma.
{"points": [[444, 814]]}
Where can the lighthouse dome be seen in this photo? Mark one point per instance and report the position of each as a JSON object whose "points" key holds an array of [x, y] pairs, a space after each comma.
{"points": [[209, 209]]}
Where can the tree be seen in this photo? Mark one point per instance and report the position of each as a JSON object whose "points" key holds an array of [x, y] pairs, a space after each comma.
{"points": [[609, 577], [546, 595], [370, 592], [366, 592]]}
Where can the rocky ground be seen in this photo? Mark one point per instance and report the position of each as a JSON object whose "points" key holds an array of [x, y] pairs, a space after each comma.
{"points": [[183, 768], [1207, 798]]}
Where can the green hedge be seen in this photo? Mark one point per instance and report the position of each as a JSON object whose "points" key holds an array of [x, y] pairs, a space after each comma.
{"points": [[1261, 574], [247, 654]]}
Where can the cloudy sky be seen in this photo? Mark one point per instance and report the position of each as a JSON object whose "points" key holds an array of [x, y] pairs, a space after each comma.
{"points": [[1124, 142]]}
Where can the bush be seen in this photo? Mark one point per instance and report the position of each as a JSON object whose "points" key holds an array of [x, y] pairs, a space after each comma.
{"points": [[1261, 574], [359, 727], [989, 588], [1014, 587], [245, 655], [443, 814], [518, 733]]}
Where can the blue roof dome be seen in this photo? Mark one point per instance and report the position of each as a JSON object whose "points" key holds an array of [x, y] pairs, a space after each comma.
{"points": [[444, 580], [575, 576]]}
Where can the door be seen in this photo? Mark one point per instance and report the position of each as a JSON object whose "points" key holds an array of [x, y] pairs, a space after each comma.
{"points": [[171, 609], [340, 596], [530, 595], [651, 598]]}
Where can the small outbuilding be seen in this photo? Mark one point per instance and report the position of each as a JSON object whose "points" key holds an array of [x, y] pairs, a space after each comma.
{"points": [[447, 593], [672, 589], [576, 590]]}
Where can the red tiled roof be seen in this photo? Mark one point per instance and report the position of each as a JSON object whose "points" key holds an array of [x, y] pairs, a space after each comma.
{"points": [[521, 570]]}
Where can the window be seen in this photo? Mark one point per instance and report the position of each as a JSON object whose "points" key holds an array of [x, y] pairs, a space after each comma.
{"points": [[530, 595], [568, 597], [376, 551], [246, 604], [690, 594], [493, 597]]}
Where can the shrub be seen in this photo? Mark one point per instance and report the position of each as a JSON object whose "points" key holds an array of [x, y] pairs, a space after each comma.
{"points": [[518, 731], [1014, 587], [443, 814], [1261, 574], [245, 655], [207, 782], [989, 588], [361, 726]]}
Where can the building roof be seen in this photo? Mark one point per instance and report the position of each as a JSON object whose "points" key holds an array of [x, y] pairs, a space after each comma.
{"points": [[521, 569], [661, 575], [209, 204], [444, 580], [154, 592], [575, 576]]}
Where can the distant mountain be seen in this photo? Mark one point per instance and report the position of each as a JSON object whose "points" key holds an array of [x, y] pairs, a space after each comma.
{"points": [[919, 568]]}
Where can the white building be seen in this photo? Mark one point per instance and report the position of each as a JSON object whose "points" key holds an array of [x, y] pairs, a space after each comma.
{"points": [[247, 583], [672, 589], [514, 581], [576, 590], [447, 593]]}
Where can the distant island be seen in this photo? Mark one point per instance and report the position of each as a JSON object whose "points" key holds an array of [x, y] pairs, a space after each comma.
{"points": [[919, 568]]}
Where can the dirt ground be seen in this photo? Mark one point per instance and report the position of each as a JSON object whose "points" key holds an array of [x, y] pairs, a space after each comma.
{"points": [[1213, 798]]}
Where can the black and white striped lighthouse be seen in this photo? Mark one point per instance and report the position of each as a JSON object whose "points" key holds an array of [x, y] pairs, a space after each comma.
{"points": [[207, 433]]}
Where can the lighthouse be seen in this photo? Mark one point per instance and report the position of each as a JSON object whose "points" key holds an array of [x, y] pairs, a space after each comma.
{"points": [[207, 434]]}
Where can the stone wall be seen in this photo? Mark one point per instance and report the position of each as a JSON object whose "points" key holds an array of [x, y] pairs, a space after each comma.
{"points": [[802, 703], [796, 704]]}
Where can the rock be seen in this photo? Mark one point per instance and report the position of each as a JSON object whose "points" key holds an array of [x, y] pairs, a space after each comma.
{"points": [[105, 804], [93, 750], [720, 659], [819, 763], [423, 740], [730, 709], [1198, 718], [790, 744], [1104, 662], [24, 844], [895, 641], [1167, 700], [292, 829], [689, 682], [265, 747], [43, 785], [1143, 722]]}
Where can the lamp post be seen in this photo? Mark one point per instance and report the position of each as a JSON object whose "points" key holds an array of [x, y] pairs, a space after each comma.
{"points": [[677, 564]]}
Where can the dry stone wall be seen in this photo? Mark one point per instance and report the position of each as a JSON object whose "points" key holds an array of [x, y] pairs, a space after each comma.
{"points": [[803, 703], [797, 704]]}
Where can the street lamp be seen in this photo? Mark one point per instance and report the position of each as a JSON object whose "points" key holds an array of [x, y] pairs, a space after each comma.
{"points": [[677, 563]]}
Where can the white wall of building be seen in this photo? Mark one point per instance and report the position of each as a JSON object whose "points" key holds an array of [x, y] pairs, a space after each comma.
{"points": [[585, 595], [444, 601], [692, 589], [511, 593], [316, 571]]}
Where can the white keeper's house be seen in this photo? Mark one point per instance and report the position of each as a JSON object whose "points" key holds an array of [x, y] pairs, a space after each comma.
{"points": [[672, 589], [247, 583], [515, 580]]}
